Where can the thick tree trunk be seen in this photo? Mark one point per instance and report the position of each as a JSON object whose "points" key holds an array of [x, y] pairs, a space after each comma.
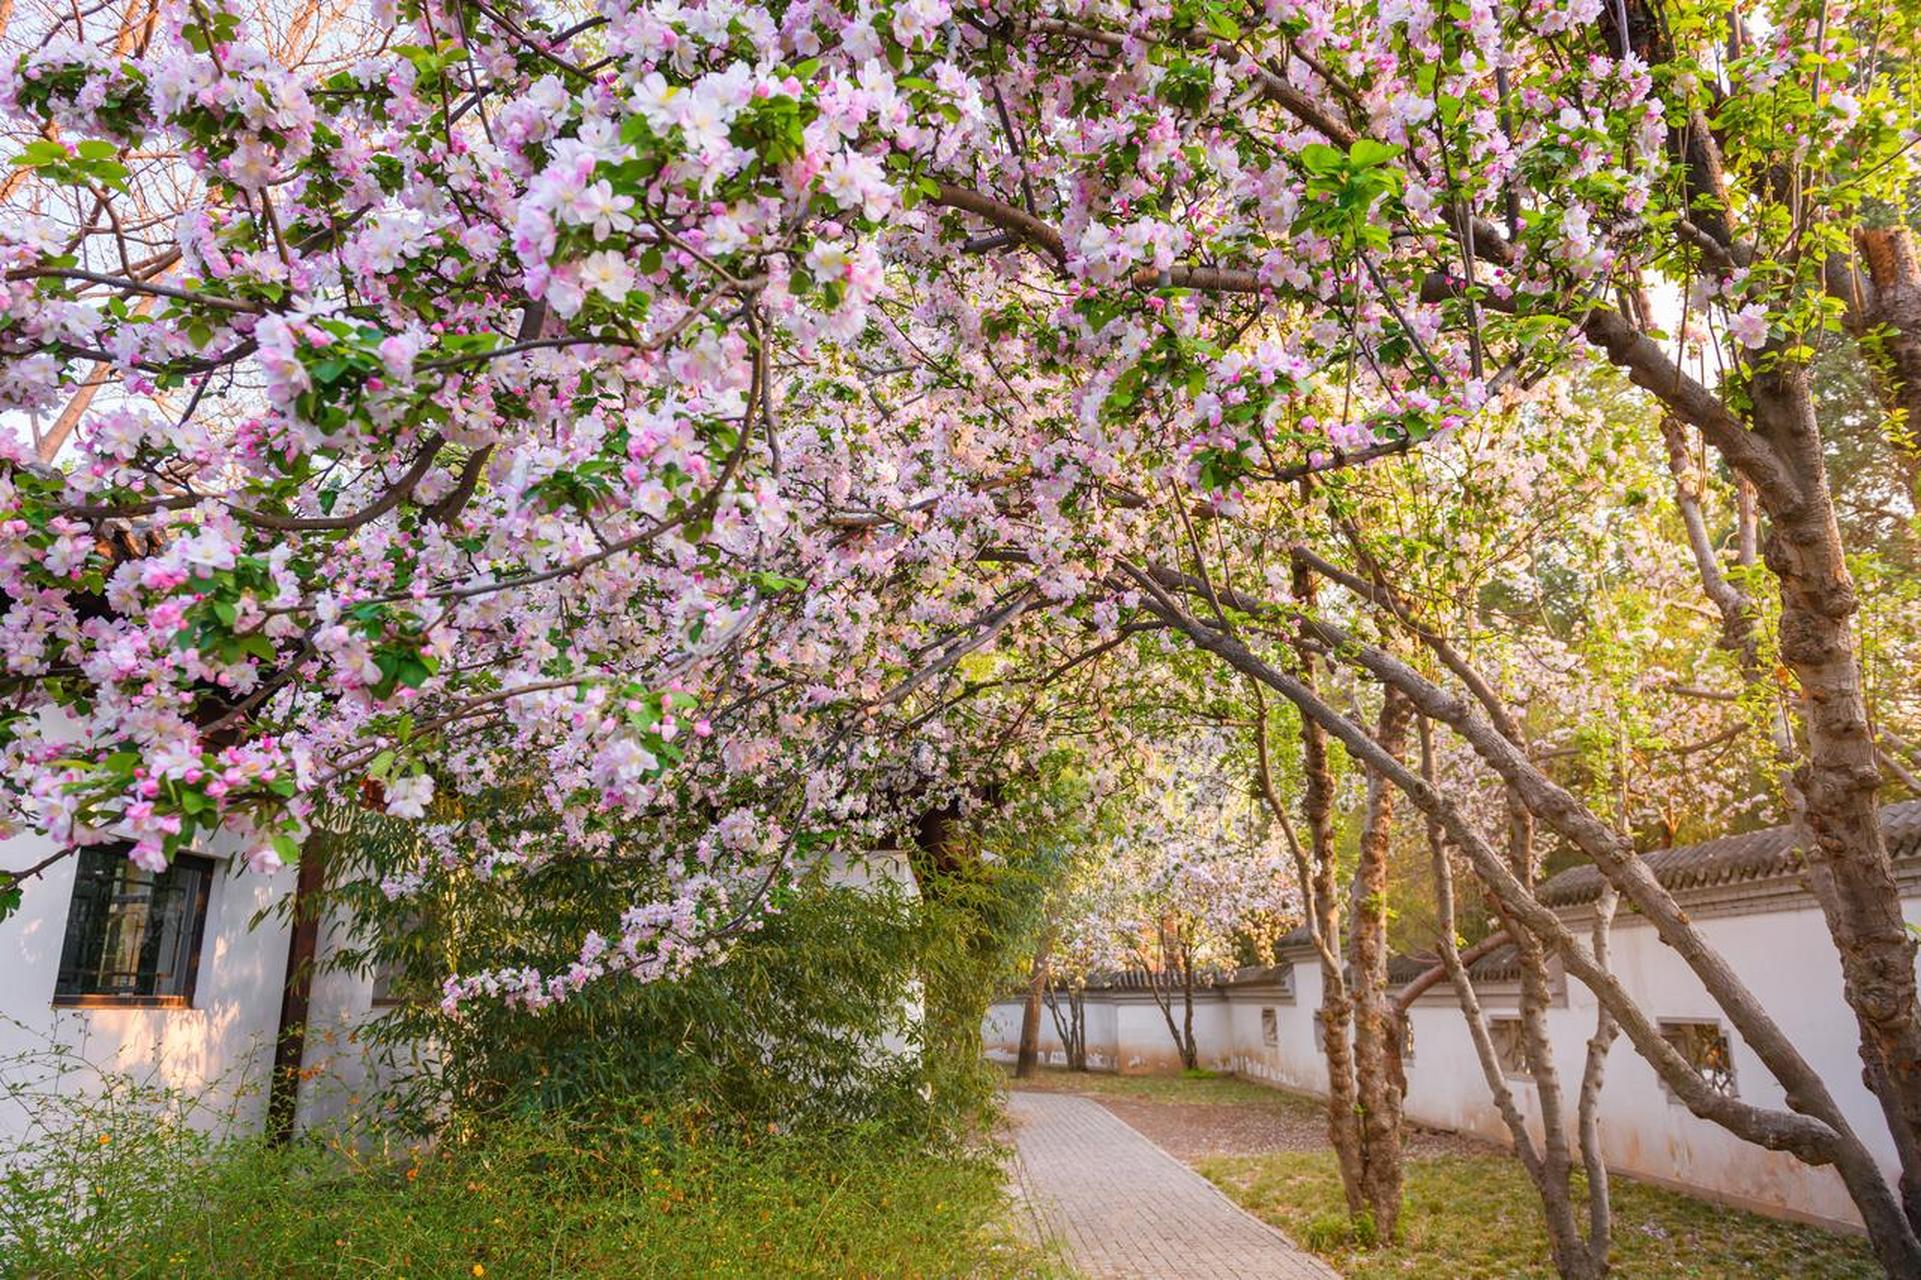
{"points": [[1377, 1086], [1890, 322], [1849, 867], [1027, 1061]]}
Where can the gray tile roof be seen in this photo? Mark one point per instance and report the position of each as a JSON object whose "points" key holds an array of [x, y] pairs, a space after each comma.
{"points": [[1753, 856]]}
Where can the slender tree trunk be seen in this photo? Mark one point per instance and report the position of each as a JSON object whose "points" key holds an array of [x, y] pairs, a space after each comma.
{"points": [[1377, 1086], [1027, 1061], [1600, 1232], [1070, 1024], [1557, 1205], [1317, 804], [1819, 1133], [1161, 982], [1536, 994], [1077, 1023], [1190, 1051]]}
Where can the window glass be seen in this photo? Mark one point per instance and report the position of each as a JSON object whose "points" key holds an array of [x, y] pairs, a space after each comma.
{"points": [[1706, 1048], [133, 936], [399, 947], [1510, 1046]]}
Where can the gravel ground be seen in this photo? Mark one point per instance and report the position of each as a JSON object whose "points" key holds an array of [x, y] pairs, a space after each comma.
{"points": [[1193, 1130]]}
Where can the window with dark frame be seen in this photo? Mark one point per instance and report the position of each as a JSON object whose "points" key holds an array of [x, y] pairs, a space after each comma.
{"points": [[1706, 1048], [133, 936], [386, 976], [391, 985], [1270, 1027], [1510, 1047]]}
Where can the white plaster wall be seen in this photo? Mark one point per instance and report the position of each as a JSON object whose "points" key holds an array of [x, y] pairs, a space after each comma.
{"points": [[1125, 1033], [1784, 955], [1446, 1086], [219, 1052], [1290, 1063], [1788, 959], [1294, 1063], [1103, 1035], [340, 1074]]}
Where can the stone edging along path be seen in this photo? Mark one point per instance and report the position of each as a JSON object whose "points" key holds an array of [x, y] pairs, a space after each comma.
{"points": [[1123, 1209]]}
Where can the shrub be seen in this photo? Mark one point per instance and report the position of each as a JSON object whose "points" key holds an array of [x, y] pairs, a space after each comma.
{"points": [[645, 1194], [844, 1005]]}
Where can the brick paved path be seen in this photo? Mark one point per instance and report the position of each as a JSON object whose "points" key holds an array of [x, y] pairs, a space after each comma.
{"points": [[1124, 1209]]}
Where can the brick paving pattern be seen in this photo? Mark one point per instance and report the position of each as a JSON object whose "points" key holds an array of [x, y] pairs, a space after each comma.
{"points": [[1123, 1209]]}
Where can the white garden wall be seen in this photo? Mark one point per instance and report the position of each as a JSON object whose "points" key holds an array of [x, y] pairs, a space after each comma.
{"points": [[1776, 941]]}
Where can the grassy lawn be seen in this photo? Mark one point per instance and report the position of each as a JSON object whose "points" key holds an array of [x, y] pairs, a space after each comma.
{"points": [[1477, 1218], [540, 1203], [1202, 1087]]}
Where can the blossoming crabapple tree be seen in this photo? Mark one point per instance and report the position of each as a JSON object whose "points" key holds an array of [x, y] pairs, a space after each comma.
{"points": [[1206, 879], [1084, 943], [549, 389]]}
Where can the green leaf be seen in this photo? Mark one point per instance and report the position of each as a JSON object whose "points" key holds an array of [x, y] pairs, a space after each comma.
{"points": [[1318, 157], [1366, 153], [1219, 24], [41, 153]]}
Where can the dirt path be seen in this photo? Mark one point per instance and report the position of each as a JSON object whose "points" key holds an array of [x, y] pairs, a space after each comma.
{"points": [[1193, 1130]]}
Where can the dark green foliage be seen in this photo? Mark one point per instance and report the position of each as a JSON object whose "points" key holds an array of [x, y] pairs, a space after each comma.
{"points": [[844, 1005]]}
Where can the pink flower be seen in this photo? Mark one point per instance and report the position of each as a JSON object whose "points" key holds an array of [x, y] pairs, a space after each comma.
{"points": [[148, 856], [1749, 326]]}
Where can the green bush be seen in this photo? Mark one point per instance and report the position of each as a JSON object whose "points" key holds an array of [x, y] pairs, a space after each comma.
{"points": [[812, 1104], [844, 1005], [809, 1020], [640, 1195]]}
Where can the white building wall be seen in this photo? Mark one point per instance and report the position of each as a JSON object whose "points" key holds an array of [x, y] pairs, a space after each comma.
{"points": [[1783, 952], [220, 1051]]}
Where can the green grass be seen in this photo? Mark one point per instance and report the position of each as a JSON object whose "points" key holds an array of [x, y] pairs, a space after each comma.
{"points": [[1478, 1218], [539, 1202], [1207, 1088]]}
